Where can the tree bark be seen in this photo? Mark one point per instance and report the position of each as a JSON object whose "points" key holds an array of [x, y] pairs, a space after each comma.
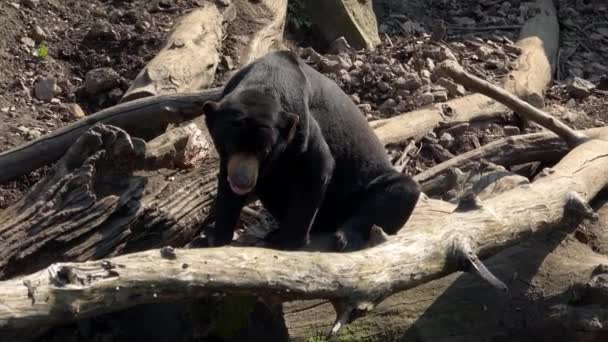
{"points": [[553, 285], [145, 118], [355, 282], [539, 42], [544, 147], [187, 61], [353, 19]]}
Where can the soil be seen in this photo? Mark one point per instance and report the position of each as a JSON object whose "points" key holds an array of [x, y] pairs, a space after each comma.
{"points": [[123, 35]]}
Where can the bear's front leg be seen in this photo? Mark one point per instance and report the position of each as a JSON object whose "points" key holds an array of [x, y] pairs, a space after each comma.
{"points": [[228, 206], [310, 180]]}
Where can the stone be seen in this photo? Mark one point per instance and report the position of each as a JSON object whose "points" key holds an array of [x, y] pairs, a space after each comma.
{"points": [[38, 34], [101, 30], [440, 96], [402, 93], [580, 88], [330, 66], [340, 46], [483, 52], [74, 111], [388, 104], [100, 80], [464, 21], [227, 62], [45, 88], [424, 99], [312, 55], [446, 140], [446, 54], [365, 107], [410, 81], [511, 130], [384, 87], [29, 42], [30, 3], [452, 87]]}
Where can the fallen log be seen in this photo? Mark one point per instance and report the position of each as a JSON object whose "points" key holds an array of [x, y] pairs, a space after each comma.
{"points": [[553, 285], [545, 147], [452, 69], [266, 19], [111, 204], [145, 118], [355, 282], [187, 61], [417, 123], [351, 19], [539, 43], [192, 52]]}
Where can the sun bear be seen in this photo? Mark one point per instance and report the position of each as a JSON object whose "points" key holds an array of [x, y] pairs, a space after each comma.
{"points": [[291, 137]]}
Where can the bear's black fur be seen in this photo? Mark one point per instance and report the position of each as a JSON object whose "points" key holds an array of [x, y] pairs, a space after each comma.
{"points": [[320, 164]]}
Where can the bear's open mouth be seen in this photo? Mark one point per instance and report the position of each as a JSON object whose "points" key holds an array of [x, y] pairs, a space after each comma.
{"points": [[242, 173], [239, 189]]}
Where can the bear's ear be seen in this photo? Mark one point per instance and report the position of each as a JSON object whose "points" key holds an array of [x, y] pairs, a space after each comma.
{"points": [[210, 107], [289, 125]]}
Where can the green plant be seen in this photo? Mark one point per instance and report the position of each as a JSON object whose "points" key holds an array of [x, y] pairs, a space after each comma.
{"points": [[42, 51]]}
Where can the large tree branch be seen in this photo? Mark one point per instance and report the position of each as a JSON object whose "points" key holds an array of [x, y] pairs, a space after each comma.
{"points": [[452, 69], [145, 118], [64, 292], [544, 147]]}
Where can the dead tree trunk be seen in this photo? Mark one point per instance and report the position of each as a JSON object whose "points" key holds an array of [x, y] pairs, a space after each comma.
{"points": [[79, 192]]}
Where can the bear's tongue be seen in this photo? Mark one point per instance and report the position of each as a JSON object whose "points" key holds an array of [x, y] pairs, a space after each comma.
{"points": [[238, 188]]}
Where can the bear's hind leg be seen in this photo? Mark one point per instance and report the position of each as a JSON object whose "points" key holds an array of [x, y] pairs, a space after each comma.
{"points": [[389, 203]]}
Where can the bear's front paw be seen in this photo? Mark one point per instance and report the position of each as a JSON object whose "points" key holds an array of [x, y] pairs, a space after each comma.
{"points": [[285, 241], [217, 238], [347, 241]]}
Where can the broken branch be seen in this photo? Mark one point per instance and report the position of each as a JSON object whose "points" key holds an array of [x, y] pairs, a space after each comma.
{"points": [[420, 253], [454, 70]]}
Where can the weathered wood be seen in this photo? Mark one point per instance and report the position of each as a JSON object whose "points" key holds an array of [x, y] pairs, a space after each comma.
{"points": [[268, 19], [416, 256], [352, 19], [539, 42], [400, 128], [187, 61], [145, 118], [547, 278], [98, 200], [455, 71], [545, 147]]}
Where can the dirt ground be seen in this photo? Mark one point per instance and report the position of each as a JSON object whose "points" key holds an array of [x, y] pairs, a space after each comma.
{"points": [[80, 36]]}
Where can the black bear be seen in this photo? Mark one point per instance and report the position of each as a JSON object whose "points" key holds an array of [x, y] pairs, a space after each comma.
{"points": [[290, 136]]}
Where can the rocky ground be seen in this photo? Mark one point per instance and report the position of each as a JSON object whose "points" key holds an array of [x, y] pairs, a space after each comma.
{"points": [[63, 60]]}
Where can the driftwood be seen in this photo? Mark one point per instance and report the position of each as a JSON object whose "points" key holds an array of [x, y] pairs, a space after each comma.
{"points": [[539, 42], [556, 293], [417, 123], [352, 19], [145, 118], [416, 256], [543, 147], [187, 61], [454, 70], [267, 20], [192, 52]]}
